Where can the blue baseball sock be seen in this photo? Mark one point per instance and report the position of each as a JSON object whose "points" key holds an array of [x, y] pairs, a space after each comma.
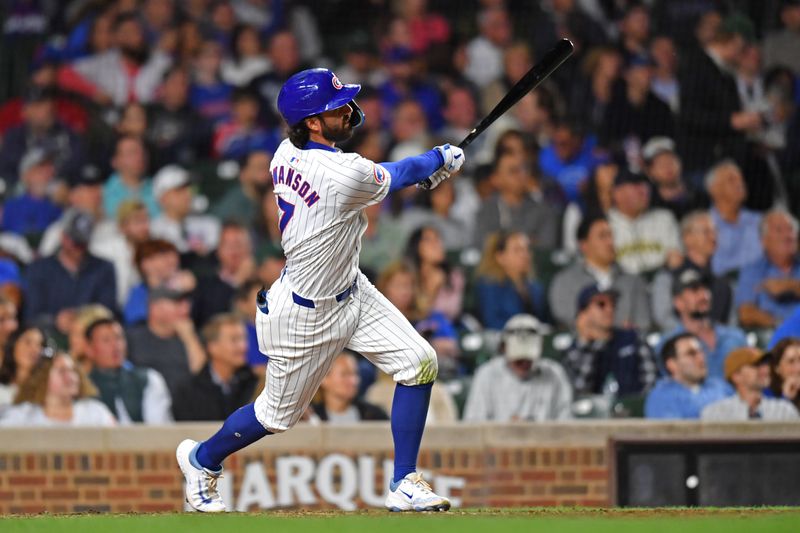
{"points": [[240, 430], [409, 410]]}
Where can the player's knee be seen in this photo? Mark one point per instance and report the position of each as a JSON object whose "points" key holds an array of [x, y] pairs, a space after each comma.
{"points": [[428, 368]]}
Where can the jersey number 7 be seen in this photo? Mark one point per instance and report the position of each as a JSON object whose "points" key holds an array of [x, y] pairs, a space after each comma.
{"points": [[286, 211]]}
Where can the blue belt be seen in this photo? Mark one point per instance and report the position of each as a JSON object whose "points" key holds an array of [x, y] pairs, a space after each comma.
{"points": [[305, 302]]}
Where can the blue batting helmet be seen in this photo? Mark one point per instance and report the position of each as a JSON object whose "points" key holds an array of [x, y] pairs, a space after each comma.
{"points": [[314, 91]]}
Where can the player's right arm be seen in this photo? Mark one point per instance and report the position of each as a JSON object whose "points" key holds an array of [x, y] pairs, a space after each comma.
{"points": [[436, 164]]}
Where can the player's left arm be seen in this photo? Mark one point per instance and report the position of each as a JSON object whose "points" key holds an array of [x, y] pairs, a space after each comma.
{"points": [[441, 160]]}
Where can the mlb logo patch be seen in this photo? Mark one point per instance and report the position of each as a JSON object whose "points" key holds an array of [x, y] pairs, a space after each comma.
{"points": [[293, 160], [380, 174], [336, 83]]}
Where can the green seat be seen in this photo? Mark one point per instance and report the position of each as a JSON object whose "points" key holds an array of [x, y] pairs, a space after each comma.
{"points": [[555, 344]]}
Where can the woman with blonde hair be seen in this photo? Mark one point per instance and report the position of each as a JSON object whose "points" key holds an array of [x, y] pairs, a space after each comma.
{"points": [[506, 285], [57, 393]]}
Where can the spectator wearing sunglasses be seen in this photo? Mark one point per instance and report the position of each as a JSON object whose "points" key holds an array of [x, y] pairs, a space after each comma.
{"points": [[601, 350]]}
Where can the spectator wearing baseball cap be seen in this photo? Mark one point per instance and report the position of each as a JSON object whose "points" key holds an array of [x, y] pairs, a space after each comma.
{"points": [[29, 213], [670, 190], [687, 388], [699, 237], [172, 189], [519, 384], [600, 349], [692, 301], [597, 265], [748, 370], [644, 237], [55, 285]]}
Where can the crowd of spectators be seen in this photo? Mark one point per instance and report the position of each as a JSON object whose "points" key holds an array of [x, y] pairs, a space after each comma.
{"points": [[622, 242]]}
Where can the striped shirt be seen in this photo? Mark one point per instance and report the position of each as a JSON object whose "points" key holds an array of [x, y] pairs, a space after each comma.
{"points": [[321, 193], [734, 409]]}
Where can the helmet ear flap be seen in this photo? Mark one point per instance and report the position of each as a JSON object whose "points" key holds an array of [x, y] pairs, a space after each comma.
{"points": [[357, 117]]}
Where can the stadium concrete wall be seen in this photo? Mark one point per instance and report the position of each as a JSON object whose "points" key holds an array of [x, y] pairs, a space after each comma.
{"points": [[131, 469]]}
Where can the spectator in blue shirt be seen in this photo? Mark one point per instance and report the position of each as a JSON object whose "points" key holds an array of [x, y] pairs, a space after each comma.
{"points": [[692, 303], [208, 94], [570, 159], [769, 288], [738, 242], [30, 213], [403, 85], [56, 285], [505, 283], [688, 389]]}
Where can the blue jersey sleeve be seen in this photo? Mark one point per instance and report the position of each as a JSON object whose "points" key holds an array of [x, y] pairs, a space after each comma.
{"points": [[412, 170]]}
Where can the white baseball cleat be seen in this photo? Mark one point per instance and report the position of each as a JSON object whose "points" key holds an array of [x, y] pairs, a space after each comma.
{"points": [[201, 483], [412, 493]]}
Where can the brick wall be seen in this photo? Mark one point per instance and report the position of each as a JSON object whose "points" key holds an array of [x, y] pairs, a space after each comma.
{"points": [[134, 469], [129, 481]]}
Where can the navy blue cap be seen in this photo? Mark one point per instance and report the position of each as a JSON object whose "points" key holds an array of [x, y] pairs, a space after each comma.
{"points": [[589, 292]]}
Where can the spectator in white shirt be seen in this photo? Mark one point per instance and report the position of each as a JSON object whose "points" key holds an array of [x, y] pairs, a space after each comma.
{"points": [[172, 188], [644, 238], [520, 385], [131, 228], [57, 393], [485, 52], [747, 369]]}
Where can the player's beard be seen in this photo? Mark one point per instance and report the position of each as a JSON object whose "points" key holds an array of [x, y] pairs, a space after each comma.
{"points": [[337, 134]]}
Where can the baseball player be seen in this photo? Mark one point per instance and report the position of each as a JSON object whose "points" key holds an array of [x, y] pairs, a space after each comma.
{"points": [[322, 303]]}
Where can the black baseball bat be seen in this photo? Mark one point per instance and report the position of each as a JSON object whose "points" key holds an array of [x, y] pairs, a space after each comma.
{"points": [[532, 79]]}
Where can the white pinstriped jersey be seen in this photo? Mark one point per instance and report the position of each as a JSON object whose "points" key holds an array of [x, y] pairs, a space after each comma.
{"points": [[321, 195]]}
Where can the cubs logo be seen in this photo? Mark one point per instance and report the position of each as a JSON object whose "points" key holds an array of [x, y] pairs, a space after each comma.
{"points": [[336, 83], [379, 173]]}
